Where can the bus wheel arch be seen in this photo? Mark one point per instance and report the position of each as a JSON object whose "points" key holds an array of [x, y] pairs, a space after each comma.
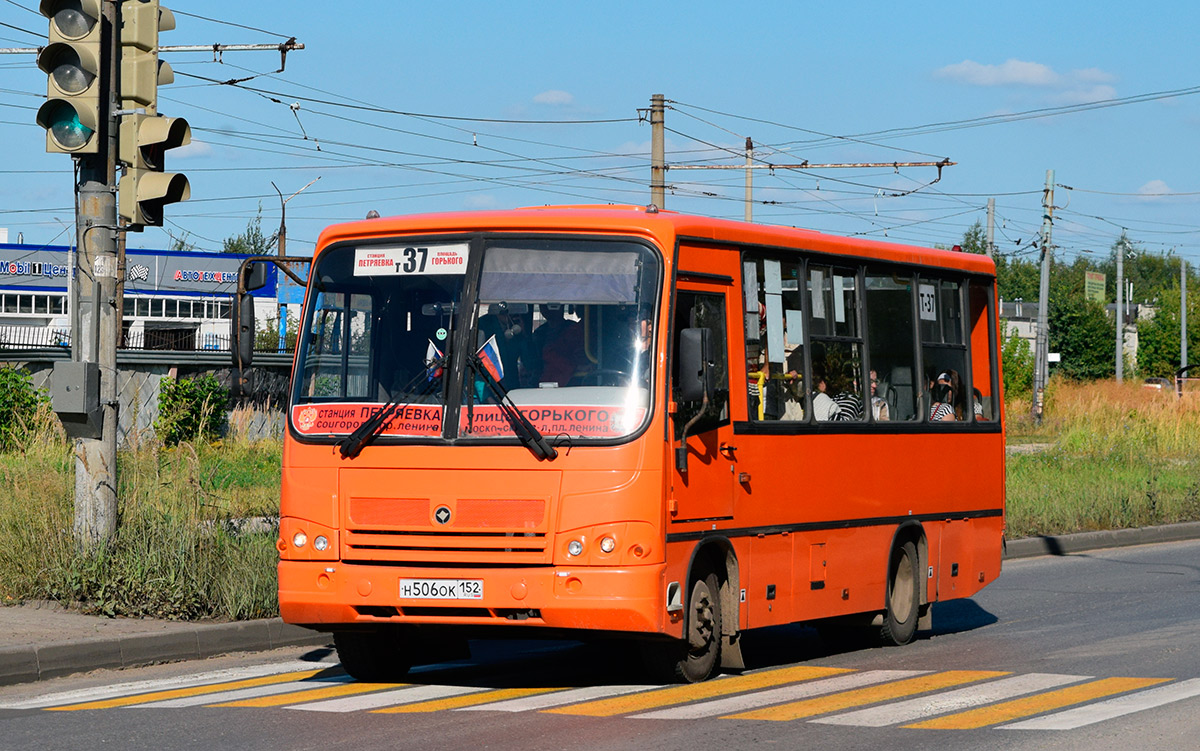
{"points": [[710, 614], [906, 597]]}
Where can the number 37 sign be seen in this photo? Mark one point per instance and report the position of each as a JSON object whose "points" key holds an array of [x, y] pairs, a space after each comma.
{"points": [[393, 260]]}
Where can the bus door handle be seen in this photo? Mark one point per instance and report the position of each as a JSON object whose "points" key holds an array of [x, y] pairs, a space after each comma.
{"points": [[727, 450]]}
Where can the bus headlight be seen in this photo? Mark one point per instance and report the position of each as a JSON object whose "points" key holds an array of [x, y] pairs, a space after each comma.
{"points": [[608, 545], [574, 548], [299, 540], [321, 543]]}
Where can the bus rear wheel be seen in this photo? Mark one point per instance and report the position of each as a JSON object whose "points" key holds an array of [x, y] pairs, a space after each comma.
{"points": [[373, 656], [903, 597]]}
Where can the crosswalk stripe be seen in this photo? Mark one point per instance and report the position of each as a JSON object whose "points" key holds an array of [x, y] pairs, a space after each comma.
{"points": [[951, 701], [1011, 710], [125, 701], [237, 694], [96, 693], [1110, 708], [557, 699], [868, 695], [467, 700], [389, 698], [680, 694], [742, 702], [310, 694]]}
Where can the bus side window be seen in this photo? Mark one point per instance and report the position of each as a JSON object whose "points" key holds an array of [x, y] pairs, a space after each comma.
{"points": [[702, 310], [983, 349], [774, 340], [890, 336]]}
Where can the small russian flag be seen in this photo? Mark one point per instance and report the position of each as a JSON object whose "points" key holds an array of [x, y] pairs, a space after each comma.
{"points": [[433, 361], [489, 354]]}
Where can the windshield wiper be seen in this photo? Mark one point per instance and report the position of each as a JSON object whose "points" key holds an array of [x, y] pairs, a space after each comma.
{"points": [[528, 434], [370, 428]]}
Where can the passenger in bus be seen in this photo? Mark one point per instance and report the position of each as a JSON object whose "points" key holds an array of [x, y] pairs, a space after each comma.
{"points": [[947, 397], [846, 397], [512, 339], [879, 405], [824, 408], [558, 342]]}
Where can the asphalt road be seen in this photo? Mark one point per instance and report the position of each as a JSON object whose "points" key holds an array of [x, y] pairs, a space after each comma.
{"points": [[1097, 650]]}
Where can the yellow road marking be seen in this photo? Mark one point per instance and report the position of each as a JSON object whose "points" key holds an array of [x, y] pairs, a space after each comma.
{"points": [[868, 695], [310, 694], [679, 694], [466, 700], [1011, 710], [179, 693]]}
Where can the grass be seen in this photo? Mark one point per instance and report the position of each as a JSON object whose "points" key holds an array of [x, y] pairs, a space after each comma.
{"points": [[171, 556], [1115, 456], [1119, 456]]}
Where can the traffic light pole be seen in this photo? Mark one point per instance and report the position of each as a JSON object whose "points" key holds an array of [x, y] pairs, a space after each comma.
{"points": [[96, 275]]}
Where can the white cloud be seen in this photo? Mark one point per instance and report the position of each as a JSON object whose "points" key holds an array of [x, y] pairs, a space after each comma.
{"points": [[1153, 190], [554, 97], [1092, 75], [1008, 73], [194, 150], [1084, 95]]}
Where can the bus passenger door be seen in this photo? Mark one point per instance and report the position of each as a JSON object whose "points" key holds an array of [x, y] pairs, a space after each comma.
{"points": [[704, 491]]}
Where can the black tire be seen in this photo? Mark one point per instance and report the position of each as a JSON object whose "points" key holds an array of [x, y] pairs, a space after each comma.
{"points": [[373, 656], [903, 597], [696, 657]]}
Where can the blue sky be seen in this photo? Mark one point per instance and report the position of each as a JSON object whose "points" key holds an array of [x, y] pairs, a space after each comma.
{"points": [[417, 107]]}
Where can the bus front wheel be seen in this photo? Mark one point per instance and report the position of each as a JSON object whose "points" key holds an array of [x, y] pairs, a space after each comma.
{"points": [[903, 597], [373, 656], [696, 657]]}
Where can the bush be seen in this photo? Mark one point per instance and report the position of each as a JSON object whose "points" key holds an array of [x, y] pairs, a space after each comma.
{"points": [[19, 405], [191, 409]]}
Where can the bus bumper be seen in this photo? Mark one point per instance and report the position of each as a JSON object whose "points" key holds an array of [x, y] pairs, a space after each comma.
{"points": [[329, 595]]}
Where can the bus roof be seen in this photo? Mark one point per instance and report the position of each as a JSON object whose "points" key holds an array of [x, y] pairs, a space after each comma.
{"points": [[663, 227]]}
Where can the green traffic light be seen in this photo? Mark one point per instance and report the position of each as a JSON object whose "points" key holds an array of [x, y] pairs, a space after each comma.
{"points": [[62, 120]]}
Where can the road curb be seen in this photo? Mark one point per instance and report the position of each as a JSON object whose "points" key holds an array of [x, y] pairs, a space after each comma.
{"points": [[38, 662], [31, 663], [1030, 547]]}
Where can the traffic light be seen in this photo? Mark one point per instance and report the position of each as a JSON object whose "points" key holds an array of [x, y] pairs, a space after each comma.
{"points": [[145, 188], [144, 136], [75, 91]]}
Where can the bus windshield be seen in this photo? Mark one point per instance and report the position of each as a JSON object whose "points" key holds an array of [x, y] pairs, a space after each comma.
{"points": [[561, 329]]}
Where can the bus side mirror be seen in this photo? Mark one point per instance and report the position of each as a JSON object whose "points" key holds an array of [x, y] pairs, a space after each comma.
{"points": [[256, 275], [695, 365], [253, 275]]}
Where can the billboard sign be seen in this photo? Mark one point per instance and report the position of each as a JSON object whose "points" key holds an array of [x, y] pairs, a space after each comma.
{"points": [[146, 271]]}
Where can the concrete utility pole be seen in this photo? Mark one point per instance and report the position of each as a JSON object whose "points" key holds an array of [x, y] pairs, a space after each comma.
{"points": [[991, 228], [96, 217], [1041, 367], [749, 180], [1120, 311], [1183, 313], [658, 157]]}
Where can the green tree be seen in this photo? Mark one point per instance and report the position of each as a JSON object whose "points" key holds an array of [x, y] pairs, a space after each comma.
{"points": [[191, 409], [252, 241], [1017, 358], [19, 402], [1017, 278], [975, 239], [182, 243], [1158, 338], [1083, 335]]}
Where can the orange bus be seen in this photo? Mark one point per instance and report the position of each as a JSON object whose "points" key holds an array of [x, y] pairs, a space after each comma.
{"points": [[624, 422]]}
